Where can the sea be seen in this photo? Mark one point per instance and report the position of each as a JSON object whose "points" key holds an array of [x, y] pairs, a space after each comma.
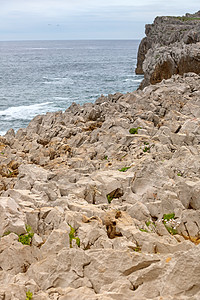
{"points": [[37, 77]]}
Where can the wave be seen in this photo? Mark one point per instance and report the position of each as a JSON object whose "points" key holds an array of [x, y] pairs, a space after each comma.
{"points": [[25, 112], [50, 48], [2, 133], [132, 80], [61, 98], [58, 80], [37, 48]]}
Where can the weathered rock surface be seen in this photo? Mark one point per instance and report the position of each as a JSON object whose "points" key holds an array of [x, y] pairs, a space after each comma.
{"points": [[115, 215], [171, 46]]}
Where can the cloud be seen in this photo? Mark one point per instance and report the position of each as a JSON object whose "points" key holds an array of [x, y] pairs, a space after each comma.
{"points": [[30, 18]]}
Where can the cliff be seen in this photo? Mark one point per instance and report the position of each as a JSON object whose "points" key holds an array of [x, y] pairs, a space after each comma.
{"points": [[110, 194], [171, 46]]}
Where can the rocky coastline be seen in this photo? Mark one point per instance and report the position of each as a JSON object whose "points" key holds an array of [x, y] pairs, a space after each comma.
{"points": [[101, 202]]}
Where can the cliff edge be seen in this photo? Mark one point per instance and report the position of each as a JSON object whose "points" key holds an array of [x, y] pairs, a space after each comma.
{"points": [[171, 46]]}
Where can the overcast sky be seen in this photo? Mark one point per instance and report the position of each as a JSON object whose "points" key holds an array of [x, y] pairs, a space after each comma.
{"points": [[84, 19]]}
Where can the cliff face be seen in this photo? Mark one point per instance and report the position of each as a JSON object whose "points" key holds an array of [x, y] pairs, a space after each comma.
{"points": [[169, 48]]}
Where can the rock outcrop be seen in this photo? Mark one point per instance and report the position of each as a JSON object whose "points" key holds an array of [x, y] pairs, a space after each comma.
{"points": [[102, 201], [171, 46]]}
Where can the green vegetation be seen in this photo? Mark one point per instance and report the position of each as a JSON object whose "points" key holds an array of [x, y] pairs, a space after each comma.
{"points": [[148, 223], [109, 198], [26, 238], [124, 169], [146, 149], [73, 237], [134, 130], [171, 230], [179, 174], [29, 295], [6, 233], [137, 249], [166, 221], [168, 217], [187, 19], [105, 157], [146, 143], [143, 230]]}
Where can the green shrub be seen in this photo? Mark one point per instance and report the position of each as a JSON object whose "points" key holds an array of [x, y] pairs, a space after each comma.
{"points": [[148, 223], [124, 169], [168, 217], [109, 198], [143, 230], [171, 230], [146, 149], [73, 237], [166, 221], [134, 130], [29, 295], [26, 238]]}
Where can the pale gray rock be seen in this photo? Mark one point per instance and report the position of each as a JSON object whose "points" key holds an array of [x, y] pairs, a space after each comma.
{"points": [[12, 220]]}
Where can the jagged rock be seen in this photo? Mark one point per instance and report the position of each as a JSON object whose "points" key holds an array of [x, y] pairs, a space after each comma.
{"points": [[127, 203], [170, 47], [12, 220]]}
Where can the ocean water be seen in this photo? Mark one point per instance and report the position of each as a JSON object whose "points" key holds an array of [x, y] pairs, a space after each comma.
{"points": [[44, 76]]}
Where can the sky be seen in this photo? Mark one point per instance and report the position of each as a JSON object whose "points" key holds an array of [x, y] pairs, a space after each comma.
{"points": [[84, 19]]}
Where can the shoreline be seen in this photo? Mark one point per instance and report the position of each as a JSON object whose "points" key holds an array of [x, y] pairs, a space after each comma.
{"points": [[101, 201], [124, 194]]}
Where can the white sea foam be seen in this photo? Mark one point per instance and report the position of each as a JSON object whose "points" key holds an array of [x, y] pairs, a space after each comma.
{"points": [[133, 79], [50, 48], [2, 132], [25, 112], [138, 80], [61, 98], [58, 80], [129, 79], [38, 48]]}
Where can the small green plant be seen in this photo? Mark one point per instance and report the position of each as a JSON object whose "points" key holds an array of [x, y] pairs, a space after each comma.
{"points": [[168, 222], [179, 174], [148, 223], [137, 249], [146, 149], [168, 217], [146, 143], [2, 153], [124, 169], [143, 230], [29, 295], [134, 130], [73, 237], [26, 238], [109, 198], [78, 242], [171, 230], [6, 233], [105, 157]]}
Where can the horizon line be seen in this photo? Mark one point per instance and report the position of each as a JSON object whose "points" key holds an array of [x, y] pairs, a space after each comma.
{"points": [[48, 40]]}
